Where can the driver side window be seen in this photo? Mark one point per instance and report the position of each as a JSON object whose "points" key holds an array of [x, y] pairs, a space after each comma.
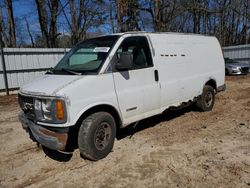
{"points": [[139, 49]]}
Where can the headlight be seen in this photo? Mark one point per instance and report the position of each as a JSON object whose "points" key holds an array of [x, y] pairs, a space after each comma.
{"points": [[50, 110]]}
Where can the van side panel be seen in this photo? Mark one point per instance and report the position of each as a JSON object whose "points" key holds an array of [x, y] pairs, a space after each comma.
{"points": [[185, 63]]}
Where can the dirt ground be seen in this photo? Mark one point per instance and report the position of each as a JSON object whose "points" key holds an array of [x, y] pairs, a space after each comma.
{"points": [[183, 148]]}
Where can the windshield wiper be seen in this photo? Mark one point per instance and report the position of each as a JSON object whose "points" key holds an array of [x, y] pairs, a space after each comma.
{"points": [[70, 71], [50, 71], [55, 71]]}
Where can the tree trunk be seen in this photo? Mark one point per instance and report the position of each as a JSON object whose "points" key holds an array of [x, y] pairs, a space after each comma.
{"points": [[204, 23], [111, 16], [30, 35], [76, 20], [222, 27], [49, 30], [119, 21], [73, 22], [43, 20], [53, 23], [1, 28], [195, 20], [11, 24], [157, 24], [246, 26], [232, 29]]}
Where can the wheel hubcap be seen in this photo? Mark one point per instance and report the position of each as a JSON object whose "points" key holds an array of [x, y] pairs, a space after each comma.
{"points": [[208, 98], [102, 136]]}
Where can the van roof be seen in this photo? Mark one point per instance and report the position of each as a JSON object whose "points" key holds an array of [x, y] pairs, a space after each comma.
{"points": [[169, 33]]}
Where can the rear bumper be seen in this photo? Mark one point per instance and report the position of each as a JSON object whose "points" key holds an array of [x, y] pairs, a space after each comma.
{"points": [[221, 88], [53, 139]]}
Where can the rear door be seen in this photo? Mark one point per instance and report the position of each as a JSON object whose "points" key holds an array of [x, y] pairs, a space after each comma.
{"points": [[137, 89]]}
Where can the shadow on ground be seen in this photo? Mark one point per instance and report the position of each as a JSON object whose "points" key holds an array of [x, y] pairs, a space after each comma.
{"points": [[167, 115], [57, 155]]}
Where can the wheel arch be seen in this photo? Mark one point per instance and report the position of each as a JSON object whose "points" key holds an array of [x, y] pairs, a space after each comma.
{"points": [[98, 108], [212, 82]]}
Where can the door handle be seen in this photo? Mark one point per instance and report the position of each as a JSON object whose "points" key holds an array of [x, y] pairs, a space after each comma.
{"points": [[156, 75]]}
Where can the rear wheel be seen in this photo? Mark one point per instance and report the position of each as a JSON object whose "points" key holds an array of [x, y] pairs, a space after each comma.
{"points": [[96, 136], [226, 72], [206, 101]]}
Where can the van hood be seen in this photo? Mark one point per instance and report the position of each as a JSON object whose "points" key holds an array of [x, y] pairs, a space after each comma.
{"points": [[49, 85]]}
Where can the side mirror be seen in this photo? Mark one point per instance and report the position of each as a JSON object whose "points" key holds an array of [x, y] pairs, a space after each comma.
{"points": [[125, 61]]}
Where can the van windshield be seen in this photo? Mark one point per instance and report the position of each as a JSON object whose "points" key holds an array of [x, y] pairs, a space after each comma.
{"points": [[86, 57]]}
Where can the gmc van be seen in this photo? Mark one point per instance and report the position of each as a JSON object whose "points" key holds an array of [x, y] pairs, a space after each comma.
{"points": [[109, 82]]}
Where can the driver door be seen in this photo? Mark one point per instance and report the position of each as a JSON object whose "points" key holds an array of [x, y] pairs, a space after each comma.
{"points": [[137, 89]]}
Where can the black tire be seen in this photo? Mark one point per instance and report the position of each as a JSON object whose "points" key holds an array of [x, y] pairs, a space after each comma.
{"points": [[206, 101], [97, 135], [226, 72]]}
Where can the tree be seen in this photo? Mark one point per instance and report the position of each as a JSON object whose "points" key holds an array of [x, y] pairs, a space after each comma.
{"points": [[127, 15], [47, 13], [29, 32], [11, 24], [228, 20], [246, 20], [84, 15], [1, 27], [163, 13]]}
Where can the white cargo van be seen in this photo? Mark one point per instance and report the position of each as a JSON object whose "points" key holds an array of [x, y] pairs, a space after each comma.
{"points": [[109, 82]]}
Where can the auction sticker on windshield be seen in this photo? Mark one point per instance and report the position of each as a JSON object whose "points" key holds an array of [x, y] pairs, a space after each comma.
{"points": [[101, 49]]}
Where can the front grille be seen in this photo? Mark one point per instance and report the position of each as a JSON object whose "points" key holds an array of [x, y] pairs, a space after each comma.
{"points": [[27, 105], [244, 69]]}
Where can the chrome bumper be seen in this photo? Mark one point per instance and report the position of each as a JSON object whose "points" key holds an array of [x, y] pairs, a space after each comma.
{"points": [[48, 138]]}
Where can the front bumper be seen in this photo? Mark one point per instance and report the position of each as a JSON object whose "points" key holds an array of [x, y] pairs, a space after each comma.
{"points": [[52, 139], [239, 71]]}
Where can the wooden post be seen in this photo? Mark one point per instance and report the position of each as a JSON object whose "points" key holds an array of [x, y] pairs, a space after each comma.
{"points": [[3, 64]]}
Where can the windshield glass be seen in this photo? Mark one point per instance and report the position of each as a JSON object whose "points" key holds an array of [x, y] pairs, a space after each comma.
{"points": [[86, 57]]}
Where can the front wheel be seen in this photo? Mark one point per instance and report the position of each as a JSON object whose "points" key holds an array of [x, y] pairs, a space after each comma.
{"points": [[96, 136], [206, 101]]}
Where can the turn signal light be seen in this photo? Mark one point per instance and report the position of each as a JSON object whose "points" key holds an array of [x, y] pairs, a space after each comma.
{"points": [[59, 110]]}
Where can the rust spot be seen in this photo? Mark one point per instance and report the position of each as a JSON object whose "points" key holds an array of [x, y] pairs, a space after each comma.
{"points": [[62, 137]]}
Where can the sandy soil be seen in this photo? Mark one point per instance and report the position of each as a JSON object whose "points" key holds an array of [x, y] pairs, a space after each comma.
{"points": [[185, 148]]}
